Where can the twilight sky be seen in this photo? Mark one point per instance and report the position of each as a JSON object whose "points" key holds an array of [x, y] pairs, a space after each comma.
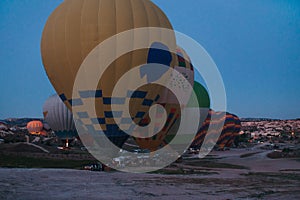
{"points": [[255, 44]]}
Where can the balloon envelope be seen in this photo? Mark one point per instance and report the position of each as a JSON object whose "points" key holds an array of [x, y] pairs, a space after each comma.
{"points": [[170, 102], [199, 104], [59, 118], [35, 127], [229, 130], [74, 29]]}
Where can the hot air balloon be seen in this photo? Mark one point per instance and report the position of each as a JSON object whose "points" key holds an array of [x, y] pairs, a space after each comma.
{"points": [[200, 104], [233, 129], [35, 127], [229, 130], [169, 102], [59, 118], [199, 138], [74, 29], [238, 126]]}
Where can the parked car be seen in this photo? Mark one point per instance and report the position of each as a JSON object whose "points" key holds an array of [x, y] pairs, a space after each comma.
{"points": [[94, 167]]}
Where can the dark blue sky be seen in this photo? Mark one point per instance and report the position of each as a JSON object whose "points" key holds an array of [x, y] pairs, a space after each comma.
{"points": [[255, 44]]}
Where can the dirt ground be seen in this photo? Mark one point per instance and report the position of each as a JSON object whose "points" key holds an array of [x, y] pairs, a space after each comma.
{"points": [[76, 184], [234, 174]]}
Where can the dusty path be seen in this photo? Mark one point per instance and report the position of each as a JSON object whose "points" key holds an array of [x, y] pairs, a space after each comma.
{"points": [[74, 184], [258, 162]]}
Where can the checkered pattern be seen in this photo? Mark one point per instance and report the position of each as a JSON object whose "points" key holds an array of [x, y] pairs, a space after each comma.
{"points": [[110, 120]]}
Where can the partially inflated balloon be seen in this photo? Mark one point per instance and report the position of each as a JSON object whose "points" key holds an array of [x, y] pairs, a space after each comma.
{"points": [[227, 132], [59, 118], [203, 128], [75, 28], [35, 127], [230, 130]]}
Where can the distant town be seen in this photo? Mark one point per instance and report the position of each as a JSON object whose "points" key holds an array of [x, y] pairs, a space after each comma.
{"points": [[279, 133], [282, 135]]}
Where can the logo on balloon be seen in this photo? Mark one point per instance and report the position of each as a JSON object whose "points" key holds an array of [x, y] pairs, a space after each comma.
{"points": [[153, 104]]}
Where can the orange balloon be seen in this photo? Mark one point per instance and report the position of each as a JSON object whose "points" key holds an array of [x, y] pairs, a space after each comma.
{"points": [[35, 127]]}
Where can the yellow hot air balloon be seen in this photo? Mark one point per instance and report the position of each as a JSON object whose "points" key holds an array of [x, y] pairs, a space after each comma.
{"points": [[75, 28]]}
